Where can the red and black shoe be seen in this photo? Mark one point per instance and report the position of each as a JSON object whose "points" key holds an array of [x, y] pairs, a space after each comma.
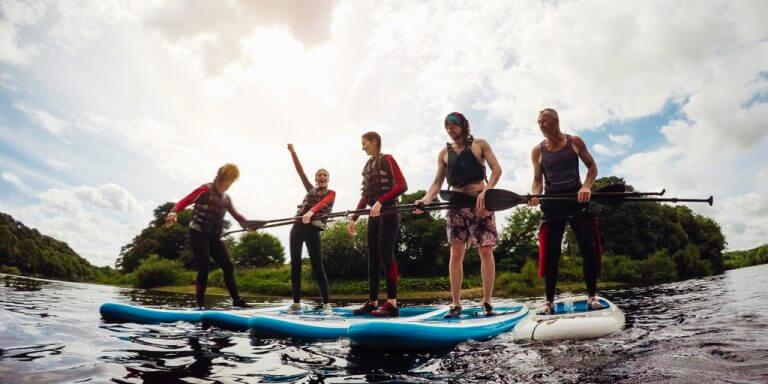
{"points": [[454, 312], [387, 310], [364, 309]]}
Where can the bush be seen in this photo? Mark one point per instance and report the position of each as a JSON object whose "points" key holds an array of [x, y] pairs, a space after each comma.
{"points": [[155, 272], [620, 268], [659, 268]]}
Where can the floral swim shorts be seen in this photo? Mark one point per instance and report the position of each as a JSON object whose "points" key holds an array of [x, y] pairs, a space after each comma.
{"points": [[477, 231]]}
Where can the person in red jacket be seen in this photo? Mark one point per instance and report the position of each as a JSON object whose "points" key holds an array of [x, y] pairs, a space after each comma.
{"points": [[211, 204], [318, 200], [383, 182]]}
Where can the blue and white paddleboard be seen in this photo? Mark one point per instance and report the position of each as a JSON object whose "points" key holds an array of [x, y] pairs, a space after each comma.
{"points": [[276, 321], [571, 321], [436, 332]]}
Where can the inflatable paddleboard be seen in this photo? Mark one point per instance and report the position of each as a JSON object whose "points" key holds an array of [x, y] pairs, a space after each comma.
{"points": [[435, 332], [309, 323], [571, 321]]}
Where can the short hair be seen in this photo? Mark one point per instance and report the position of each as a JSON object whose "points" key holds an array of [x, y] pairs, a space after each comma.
{"points": [[373, 136], [550, 111], [227, 173]]}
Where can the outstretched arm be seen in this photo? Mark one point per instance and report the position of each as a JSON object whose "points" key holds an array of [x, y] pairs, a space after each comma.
{"points": [[299, 168]]}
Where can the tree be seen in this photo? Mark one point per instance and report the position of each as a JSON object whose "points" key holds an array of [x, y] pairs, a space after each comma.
{"points": [[518, 240], [423, 243], [345, 256], [258, 249]]}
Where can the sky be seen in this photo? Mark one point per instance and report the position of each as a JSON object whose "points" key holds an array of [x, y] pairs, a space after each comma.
{"points": [[110, 108]]}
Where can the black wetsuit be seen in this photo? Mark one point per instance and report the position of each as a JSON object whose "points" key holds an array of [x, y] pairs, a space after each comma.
{"points": [[561, 175]]}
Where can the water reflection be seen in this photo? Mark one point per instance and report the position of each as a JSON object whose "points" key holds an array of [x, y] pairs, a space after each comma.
{"points": [[692, 331]]}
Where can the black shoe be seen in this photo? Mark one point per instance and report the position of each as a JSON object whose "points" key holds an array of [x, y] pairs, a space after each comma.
{"points": [[454, 312], [364, 309], [488, 310], [240, 303], [387, 310]]}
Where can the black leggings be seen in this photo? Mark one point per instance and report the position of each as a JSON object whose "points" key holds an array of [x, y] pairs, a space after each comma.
{"points": [[382, 235], [205, 247], [552, 236], [301, 233]]}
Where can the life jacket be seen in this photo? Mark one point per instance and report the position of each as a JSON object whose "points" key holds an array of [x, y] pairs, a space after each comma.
{"points": [[463, 168], [377, 178], [314, 196], [209, 211]]}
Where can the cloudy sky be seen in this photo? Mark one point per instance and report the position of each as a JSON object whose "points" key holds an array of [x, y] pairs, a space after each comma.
{"points": [[109, 108]]}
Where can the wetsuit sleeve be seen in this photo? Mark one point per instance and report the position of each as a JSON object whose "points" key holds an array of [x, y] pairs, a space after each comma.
{"points": [[329, 197], [189, 199], [300, 171], [360, 205], [399, 186], [238, 217]]}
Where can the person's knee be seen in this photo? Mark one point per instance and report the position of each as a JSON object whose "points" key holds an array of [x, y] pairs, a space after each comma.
{"points": [[486, 252]]}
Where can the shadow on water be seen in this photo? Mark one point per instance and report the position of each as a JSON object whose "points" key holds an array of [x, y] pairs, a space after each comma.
{"points": [[695, 331]]}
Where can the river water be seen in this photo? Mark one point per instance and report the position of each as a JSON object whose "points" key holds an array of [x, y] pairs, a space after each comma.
{"points": [[696, 331]]}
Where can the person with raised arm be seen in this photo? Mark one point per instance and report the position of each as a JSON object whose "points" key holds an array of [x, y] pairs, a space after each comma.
{"points": [[318, 200]]}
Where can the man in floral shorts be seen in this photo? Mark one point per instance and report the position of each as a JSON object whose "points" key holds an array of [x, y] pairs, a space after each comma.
{"points": [[462, 163]]}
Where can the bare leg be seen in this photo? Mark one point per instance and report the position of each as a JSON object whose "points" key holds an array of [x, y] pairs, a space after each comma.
{"points": [[487, 271], [456, 271]]}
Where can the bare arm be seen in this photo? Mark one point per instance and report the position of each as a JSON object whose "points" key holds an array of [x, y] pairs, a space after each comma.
{"points": [[439, 177], [299, 168], [538, 186], [581, 149], [493, 163]]}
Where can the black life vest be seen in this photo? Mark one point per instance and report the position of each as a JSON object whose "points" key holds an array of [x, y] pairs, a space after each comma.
{"points": [[313, 196], [209, 211], [377, 178], [463, 168]]}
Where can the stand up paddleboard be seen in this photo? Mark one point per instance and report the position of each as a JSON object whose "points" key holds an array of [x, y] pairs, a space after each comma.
{"points": [[309, 323], [435, 332], [571, 321]]}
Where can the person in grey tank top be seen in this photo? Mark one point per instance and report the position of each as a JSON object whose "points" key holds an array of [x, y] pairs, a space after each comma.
{"points": [[556, 170]]}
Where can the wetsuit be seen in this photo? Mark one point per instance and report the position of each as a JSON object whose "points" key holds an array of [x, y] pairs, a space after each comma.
{"points": [[561, 175], [204, 234], [383, 182], [319, 201]]}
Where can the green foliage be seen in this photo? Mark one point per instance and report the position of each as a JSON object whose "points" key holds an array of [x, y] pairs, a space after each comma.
{"points": [[423, 243], [258, 249], [740, 259], [28, 252], [518, 240], [690, 265], [659, 268], [156, 272], [345, 256]]}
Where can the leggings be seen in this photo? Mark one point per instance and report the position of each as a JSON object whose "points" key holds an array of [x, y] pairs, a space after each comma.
{"points": [[551, 238], [382, 235], [307, 233], [205, 247]]}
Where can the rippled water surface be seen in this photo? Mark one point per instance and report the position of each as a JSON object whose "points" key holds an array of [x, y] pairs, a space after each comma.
{"points": [[696, 331]]}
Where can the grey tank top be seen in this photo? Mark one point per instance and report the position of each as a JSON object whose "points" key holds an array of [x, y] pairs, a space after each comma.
{"points": [[560, 168]]}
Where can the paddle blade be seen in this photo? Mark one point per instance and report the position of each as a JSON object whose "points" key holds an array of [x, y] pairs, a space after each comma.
{"points": [[613, 188], [501, 199], [458, 198]]}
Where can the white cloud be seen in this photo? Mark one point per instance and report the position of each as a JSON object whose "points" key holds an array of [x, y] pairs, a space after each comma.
{"points": [[187, 86], [14, 15], [14, 180], [49, 122]]}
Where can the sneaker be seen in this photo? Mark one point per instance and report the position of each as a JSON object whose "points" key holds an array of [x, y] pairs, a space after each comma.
{"points": [[387, 310], [200, 307], [294, 308], [240, 303], [364, 309], [454, 312], [327, 310], [488, 310], [549, 308]]}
